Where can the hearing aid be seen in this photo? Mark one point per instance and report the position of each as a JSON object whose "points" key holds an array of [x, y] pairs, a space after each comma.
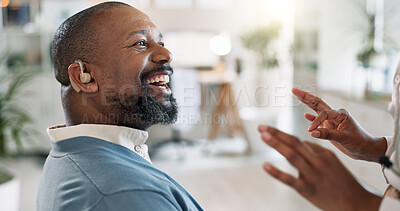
{"points": [[83, 77]]}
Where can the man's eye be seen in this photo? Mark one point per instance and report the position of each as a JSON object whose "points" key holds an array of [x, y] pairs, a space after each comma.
{"points": [[162, 44], [140, 43]]}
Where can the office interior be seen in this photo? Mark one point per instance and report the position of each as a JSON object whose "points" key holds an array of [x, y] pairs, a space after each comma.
{"points": [[345, 51]]}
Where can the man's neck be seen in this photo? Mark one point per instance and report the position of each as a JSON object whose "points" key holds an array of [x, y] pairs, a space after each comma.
{"points": [[85, 110]]}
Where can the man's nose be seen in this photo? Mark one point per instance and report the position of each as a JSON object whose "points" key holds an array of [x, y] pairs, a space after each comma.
{"points": [[161, 55]]}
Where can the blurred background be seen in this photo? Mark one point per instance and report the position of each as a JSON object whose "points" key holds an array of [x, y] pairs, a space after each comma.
{"points": [[235, 63]]}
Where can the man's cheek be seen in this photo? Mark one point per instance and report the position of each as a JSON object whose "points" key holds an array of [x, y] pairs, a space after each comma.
{"points": [[108, 95], [129, 94]]}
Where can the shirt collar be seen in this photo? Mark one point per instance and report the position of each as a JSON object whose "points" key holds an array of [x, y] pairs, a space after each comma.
{"points": [[130, 138]]}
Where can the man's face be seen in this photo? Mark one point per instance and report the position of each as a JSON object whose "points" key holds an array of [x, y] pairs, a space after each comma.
{"points": [[134, 70]]}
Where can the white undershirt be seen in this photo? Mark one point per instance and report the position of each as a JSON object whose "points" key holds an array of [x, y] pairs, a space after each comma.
{"points": [[130, 138]]}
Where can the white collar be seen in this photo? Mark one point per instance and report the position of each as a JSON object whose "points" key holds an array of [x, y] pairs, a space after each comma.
{"points": [[130, 138]]}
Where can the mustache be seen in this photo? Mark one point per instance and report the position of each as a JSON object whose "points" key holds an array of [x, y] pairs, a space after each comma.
{"points": [[158, 69]]}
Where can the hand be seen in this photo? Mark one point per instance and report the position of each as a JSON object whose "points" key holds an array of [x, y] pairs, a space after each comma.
{"points": [[323, 180], [341, 129]]}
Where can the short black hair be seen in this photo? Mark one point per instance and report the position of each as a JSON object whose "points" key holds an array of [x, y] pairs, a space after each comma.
{"points": [[76, 38]]}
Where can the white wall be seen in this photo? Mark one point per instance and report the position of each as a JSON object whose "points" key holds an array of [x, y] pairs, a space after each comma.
{"points": [[338, 44]]}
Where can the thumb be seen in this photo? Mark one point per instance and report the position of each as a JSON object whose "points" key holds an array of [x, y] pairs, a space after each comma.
{"points": [[329, 134]]}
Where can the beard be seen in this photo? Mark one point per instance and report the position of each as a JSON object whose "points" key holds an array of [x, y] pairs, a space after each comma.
{"points": [[146, 109], [151, 111]]}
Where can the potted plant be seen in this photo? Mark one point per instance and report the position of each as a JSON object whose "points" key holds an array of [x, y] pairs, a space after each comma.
{"points": [[14, 123], [261, 42], [376, 52], [9, 191], [368, 51]]}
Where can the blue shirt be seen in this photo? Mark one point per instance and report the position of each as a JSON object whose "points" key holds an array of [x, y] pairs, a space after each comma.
{"points": [[86, 173]]}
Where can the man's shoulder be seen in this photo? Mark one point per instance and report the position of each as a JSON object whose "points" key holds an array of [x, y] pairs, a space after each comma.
{"points": [[114, 169], [107, 172]]}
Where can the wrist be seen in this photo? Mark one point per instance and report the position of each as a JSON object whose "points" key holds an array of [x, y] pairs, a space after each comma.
{"points": [[369, 201], [375, 148], [381, 147], [384, 145]]}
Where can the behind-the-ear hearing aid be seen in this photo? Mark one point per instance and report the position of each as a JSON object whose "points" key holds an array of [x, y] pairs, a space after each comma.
{"points": [[84, 77]]}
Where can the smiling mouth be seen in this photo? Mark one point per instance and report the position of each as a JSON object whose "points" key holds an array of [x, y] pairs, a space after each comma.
{"points": [[160, 81]]}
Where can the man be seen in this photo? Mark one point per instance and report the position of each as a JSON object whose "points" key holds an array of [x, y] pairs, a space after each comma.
{"points": [[323, 179], [114, 73]]}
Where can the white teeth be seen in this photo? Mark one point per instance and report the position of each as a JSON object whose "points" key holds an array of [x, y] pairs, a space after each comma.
{"points": [[162, 78]]}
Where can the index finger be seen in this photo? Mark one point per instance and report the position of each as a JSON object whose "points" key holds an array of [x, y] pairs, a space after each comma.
{"points": [[320, 119], [291, 141], [314, 102]]}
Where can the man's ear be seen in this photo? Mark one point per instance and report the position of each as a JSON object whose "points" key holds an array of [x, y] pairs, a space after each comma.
{"points": [[74, 72]]}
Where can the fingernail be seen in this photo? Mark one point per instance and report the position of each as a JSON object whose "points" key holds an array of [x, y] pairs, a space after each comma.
{"points": [[266, 136], [316, 134], [263, 127], [267, 167]]}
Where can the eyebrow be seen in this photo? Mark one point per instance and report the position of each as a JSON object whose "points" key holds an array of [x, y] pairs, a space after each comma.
{"points": [[141, 32]]}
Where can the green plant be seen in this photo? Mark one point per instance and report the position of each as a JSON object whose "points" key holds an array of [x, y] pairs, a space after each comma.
{"points": [[14, 119], [260, 40], [368, 50]]}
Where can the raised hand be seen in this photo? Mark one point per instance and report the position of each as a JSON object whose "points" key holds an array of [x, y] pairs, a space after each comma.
{"points": [[323, 180], [341, 129]]}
